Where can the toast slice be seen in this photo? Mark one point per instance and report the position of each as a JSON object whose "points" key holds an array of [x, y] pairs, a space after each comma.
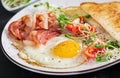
{"points": [[106, 14]]}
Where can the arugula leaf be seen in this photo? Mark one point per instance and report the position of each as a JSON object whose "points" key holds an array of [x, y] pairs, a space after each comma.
{"points": [[63, 20]]}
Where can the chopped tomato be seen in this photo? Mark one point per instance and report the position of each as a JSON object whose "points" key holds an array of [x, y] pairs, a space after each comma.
{"points": [[82, 27], [92, 51], [92, 28], [81, 19], [70, 27], [75, 30]]}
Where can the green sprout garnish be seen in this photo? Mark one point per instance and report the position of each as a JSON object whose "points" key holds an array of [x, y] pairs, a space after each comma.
{"points": [[69, 36], [47, 4], [63, 20], [40, 4], [98, 45], [112, 44]]}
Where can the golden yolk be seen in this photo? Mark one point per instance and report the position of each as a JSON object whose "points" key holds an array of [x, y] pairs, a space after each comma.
{"points": [[67, 49]]}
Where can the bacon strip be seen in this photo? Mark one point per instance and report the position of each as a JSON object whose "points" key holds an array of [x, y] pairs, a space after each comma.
{"points": [[37, 31]]}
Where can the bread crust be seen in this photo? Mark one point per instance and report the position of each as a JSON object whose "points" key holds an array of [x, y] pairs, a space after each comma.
{"points": [[106, 14]]}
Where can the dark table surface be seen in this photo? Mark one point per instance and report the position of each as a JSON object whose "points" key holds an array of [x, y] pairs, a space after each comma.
{"points": [[10, 70]]}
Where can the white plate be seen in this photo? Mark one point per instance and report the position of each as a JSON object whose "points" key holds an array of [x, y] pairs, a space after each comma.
{"points": [[11, 52]]}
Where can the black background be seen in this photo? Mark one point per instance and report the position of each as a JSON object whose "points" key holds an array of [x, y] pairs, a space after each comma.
{"points": [[10, 70]]}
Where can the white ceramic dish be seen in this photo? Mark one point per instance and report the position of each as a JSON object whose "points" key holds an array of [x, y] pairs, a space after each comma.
{"points": [[11, 52], [16, 9]]}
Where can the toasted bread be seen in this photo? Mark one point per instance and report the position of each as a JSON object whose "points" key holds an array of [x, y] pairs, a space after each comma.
{"points": [[106, 14]]}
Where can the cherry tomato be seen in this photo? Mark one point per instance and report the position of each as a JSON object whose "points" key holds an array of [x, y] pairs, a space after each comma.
{"points": [[69, 27]]}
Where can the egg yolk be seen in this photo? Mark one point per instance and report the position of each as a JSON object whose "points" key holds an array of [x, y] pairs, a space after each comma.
{"points": [[67, 49]]}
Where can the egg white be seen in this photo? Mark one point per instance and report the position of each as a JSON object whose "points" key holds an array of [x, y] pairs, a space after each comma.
{"points": [[45, 57]]}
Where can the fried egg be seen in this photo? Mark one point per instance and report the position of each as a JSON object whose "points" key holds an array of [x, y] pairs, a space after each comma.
{"points": [[59, 52]]}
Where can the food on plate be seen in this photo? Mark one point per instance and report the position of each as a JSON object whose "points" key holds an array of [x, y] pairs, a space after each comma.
{"points": [[61, 38], [15, 3], [107, 14]]}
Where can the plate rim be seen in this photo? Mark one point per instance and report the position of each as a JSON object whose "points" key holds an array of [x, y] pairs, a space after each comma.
{"points": [[57, 73], [50, 72]]}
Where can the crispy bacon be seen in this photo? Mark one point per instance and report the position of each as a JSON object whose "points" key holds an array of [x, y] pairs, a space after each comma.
{"points": [[21, 28], [41, 21], [37, 31]]}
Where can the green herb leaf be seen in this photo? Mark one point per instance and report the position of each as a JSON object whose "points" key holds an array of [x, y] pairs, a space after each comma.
{"points": [[87, 41], [100, 58], [104, 57], [98, 45], [69, 36], [36, 5], [93, 35], [87, 16], [112, 44], [47, 4], [63, 20]]}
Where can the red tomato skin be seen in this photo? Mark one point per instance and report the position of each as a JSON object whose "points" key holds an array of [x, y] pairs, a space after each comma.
{"points": [[75, 30], [70, 27], [91, 51]]}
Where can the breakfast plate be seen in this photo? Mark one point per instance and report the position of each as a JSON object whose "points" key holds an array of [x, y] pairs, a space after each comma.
{"points": [[63, 64]]}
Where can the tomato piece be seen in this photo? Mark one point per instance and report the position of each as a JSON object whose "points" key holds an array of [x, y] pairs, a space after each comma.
{"points": [[92, 28], [90, 52], [82, 27], [75, 30], [81, 19], [69, 27]]}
